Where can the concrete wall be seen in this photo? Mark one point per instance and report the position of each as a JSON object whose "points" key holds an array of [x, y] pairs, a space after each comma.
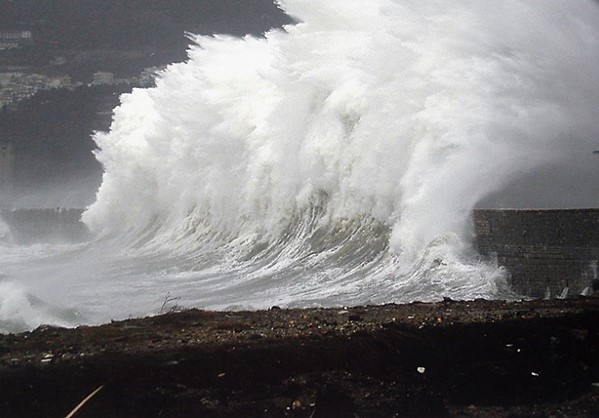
{"points": [[45, 225], [7, 161], [545, 251]]}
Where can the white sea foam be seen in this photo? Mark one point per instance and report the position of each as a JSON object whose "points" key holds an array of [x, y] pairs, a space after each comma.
{"points": [[337, 161], [5, 235], [20, 310]]}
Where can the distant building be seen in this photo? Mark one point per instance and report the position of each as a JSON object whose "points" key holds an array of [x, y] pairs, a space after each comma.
{"points": [[58, 82], [7, 162], [15, 39], [103, 77], [17, 86], [58, 60]]}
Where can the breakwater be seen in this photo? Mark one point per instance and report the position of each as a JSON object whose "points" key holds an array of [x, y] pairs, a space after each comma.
{"points": [[27, 226], [549, 253]]}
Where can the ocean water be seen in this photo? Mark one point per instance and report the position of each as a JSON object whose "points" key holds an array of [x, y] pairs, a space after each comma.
{"points": [[333, 162]]}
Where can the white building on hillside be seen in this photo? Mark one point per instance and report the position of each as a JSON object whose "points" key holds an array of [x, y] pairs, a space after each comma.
{"points": [[7, 163]]}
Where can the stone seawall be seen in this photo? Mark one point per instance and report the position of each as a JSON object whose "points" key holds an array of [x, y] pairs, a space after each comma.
{"points": [[545, 251]]}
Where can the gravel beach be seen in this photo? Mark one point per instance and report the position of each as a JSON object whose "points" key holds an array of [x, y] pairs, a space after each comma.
{"points": [[447, 359]]}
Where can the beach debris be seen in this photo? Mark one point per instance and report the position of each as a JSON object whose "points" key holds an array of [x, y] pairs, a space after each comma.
{"points": [[421, 369], [84, 401], [47, 357]]}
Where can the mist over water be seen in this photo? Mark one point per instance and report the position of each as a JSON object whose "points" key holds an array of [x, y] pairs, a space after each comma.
{"points": [[334, 162]]}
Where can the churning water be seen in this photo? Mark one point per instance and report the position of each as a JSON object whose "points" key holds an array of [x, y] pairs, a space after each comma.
{"points": [[334, 162]]}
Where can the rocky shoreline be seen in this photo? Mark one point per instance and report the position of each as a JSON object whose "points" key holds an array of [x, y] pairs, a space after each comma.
{"points": [[449, 359]]}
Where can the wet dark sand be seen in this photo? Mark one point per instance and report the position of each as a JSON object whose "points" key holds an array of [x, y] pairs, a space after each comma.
{"points": [[458, 359]]}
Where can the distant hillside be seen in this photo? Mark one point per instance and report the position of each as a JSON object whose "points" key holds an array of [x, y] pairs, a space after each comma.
{"points": [[153, 29], [135, 24], [51, 132]]}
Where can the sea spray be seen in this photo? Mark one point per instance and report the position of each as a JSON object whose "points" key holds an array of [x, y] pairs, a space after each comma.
{"points": [[332, 162]]}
